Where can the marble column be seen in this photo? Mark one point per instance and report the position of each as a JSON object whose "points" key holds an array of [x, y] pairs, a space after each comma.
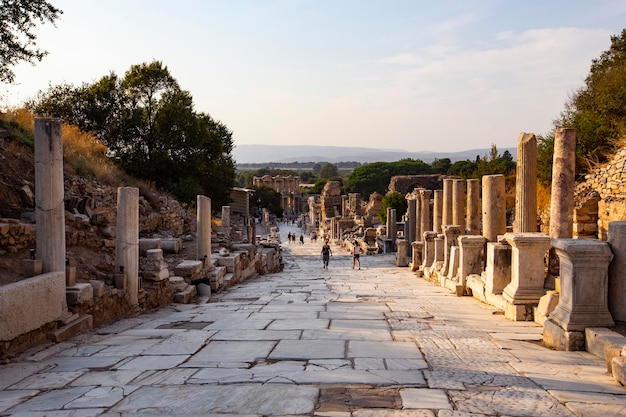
{"points": [[388, 227], [344, 206], [526, 184], [410, 214], [583, 295], [203, 218], [401, 254], [392, 225], [527, 272], [458, 204], [494, 206], [472, 225], [418, 214], [563, 176], [226, 222], [49, 195], [425, 224], [446, 213], [437, 210], [127, 239], [617, 278], [417, 251]]}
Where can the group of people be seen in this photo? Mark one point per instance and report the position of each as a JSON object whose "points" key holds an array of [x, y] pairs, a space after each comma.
{"points": [[291, 238], [327, 252]]}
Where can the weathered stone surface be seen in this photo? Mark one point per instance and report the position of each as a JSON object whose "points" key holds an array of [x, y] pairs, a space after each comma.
{"points": [[79, 293]]}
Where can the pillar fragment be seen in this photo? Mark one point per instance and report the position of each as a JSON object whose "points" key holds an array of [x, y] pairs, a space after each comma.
{"points": [[494, 206], [203, 218], [127, 239], [526, 184], [472, 224]]}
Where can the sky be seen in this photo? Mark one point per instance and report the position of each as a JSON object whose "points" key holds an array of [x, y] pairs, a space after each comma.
{"points": [[396, 74]]}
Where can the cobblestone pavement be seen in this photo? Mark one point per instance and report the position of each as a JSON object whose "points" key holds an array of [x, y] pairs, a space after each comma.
{"points": [[313, 342]]}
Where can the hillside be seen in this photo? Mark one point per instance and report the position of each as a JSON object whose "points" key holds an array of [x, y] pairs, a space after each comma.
{"points": [[250, 154]]}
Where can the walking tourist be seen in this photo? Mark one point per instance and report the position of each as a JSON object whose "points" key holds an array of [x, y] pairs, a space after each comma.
{"points": [[326, 254], [356, 254]]}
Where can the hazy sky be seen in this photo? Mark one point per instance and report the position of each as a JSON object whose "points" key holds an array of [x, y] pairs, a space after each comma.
{"points": [[413, 75]]}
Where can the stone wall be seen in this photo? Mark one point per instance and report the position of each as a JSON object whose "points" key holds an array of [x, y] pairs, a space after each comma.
{"points": [[604, 188]]}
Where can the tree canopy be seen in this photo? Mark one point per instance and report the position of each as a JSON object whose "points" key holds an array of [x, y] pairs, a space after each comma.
{"points": [[376, 176], [151, 129], [18, 43], [597, 111]]}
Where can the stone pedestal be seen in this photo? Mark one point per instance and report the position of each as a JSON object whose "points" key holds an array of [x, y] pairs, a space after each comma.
{"points": [[471, 260], [617, 277], [526, 184], [527, 273], [450, 234], [127, 239], [472, 224], [429, 249], [583, 297], [32, 267], [494, 207], [417, 250], [204, 227], [498, 267], [437, 210], [401, 258], [440, 252], [458, 204]]}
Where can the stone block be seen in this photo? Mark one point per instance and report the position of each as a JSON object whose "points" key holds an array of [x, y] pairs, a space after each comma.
{"points": [[189, 269], [557, 338], [70, 276], [30, 303], [519, 312], [82, 324], [98, 287], [178, 283], [599, 339], [121, 281], [155, 275], [79, 294], [185, 296], [31, 267], [148, 244], [547, 304], [618, 369], [171, 245]]}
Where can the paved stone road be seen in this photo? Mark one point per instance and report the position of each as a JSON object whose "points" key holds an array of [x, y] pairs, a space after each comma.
{"points": [[309, 341]]}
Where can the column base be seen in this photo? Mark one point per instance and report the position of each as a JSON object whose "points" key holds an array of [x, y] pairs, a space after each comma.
{"points": [[560, 339], [519, 312]]}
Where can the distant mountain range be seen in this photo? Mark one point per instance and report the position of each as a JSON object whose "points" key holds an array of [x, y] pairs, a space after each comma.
{"points": [[254, 154]]}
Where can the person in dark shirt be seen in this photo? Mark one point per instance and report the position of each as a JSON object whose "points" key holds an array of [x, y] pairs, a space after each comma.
{"points": [[326, 254]]}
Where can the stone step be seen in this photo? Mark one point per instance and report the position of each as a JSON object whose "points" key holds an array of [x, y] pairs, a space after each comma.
{"points": [[178, 283], [82, 324], [185, 296]]}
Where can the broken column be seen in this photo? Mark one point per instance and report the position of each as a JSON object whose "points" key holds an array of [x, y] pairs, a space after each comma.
{"points": [[583, 296], [472, 224], [127, 239], [617, 278], [437, 210], [49, 194], [417, 250], [418, 214], [425, 225], [226, 222], [446, 213], [527, 274], [204, 227], [526, 184], [401, 257], [429, 249], [458, 204], [494, 206]]}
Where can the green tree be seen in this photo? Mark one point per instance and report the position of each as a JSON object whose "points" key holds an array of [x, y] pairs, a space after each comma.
{"points": [[266, 198], [597, 111], [376, 176], [441, 166], [393, 200], [328, 171], [18, 43], [151, 129]]}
